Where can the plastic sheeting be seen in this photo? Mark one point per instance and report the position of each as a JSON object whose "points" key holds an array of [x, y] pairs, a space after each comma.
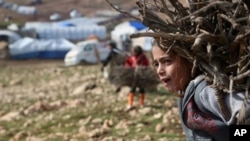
{"points": [[26, 10], [127, 28], [29, 48], [137, 25], [118, 33], [72, 29], [72, 32]]}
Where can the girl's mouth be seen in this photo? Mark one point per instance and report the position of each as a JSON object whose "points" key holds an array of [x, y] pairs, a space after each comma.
{"points": [[165, 81]]}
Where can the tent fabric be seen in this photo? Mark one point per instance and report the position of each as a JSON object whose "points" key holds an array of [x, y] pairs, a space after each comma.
{"points": [[66, 24], [125, 29], [29, 48], [86, 21], [118, 33], [72, 29], [26, 10], [137, 25], [71, 32]]}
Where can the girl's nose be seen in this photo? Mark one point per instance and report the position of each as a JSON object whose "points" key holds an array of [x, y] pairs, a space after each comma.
{"points": [[160, 70]]}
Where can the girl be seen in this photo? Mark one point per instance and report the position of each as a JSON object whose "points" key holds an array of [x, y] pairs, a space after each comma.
{"points": [[200, 115]]}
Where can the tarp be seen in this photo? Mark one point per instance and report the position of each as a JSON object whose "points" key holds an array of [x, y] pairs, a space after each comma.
{"points": [[72, 32], [125, 29], [137, 25], [86, 21], [120, 32], [29, 48], [26, 10], [76, 29], [66, 30], [66, 24]]}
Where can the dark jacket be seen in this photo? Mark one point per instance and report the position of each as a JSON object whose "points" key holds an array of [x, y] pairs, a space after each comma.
{"points": [[114, 58]]}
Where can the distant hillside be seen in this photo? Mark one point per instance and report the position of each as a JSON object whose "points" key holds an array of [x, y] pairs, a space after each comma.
{"points": [[63, 7]]}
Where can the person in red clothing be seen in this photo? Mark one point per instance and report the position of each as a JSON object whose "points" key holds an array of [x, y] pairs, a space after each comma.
{"points": [[138, 58]]}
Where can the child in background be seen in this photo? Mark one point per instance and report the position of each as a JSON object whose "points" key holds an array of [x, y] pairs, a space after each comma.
{"points": [[138, 58]]}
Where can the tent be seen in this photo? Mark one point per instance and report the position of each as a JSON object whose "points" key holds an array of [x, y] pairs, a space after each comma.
{"points": [[123, 31], [71, 32], [26, 10], [76, 29], [29, 48], [137, 25], [144, 42]]}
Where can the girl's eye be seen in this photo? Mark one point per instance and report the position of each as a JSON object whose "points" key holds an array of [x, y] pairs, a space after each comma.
{"points": [[155, 64], [167, 61]]}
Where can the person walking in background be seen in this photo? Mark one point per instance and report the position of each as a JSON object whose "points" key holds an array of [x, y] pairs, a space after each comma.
{"points": [[200, 113], [138, 58], [115, 58], [112, 54]]}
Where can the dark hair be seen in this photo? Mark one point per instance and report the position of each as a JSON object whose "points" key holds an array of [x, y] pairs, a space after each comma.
{"points": [[195, 71], [137, 50], [112, 44]]}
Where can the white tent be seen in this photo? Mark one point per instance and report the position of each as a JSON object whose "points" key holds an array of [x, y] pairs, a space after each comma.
{"points": [[127, 28], [71, 33], [119, 32], [76, 29], [13, 27], [26, 10], [29, 48], [67, 30], [144, 42]]}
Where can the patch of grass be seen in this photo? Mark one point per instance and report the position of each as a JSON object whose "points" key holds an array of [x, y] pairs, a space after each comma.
{"points": [[54, 125]]}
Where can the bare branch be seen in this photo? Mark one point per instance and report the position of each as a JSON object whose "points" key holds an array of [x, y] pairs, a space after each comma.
{"points": [[169, 36], [121, 11]]}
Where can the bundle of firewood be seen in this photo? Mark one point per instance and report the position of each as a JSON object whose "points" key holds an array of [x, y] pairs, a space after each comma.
{"points": [[139, 76], [213, 34]]}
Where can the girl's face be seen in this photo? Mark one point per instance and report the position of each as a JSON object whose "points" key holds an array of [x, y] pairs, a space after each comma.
{"points": [[173, 70]]}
